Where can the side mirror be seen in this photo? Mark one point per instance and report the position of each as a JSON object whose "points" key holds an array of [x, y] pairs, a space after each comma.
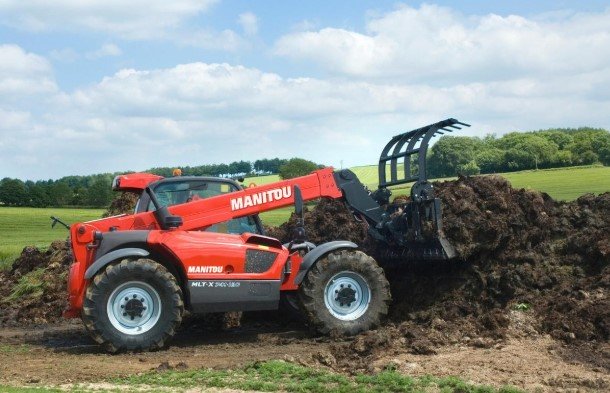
{"points": [[298, 202], [298, 233], [165, 219]]}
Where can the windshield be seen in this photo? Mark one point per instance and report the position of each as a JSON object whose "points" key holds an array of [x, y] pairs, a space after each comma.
{"points": [[173, 193], [177, 192]]}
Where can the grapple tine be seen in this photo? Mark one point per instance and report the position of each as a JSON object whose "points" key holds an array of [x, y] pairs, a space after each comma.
{"points": [[416, 142]]}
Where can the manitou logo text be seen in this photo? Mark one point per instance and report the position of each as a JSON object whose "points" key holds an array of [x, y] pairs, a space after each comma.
{"points": [[261, 197], [205, 269]]}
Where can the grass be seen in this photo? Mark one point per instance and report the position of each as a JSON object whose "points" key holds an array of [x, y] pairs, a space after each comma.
{"points": [[32, 285], [6, 348], [6, 260], [563, 184], [278, 375], [23, 226], [18, 389]]}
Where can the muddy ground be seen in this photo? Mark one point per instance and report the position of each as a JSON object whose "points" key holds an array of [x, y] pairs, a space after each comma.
{"points": [[63, 353], [527, 302]]}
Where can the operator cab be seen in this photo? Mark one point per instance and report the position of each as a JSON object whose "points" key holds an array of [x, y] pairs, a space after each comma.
{"points": [[184, 189]]}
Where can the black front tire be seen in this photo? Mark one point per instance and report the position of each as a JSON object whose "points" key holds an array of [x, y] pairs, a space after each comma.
{"points": [[353, 267], [142, 276]]}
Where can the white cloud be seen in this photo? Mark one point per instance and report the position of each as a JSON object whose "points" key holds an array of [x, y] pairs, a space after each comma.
{"points": [[135, 19], [249, 23], [23, 74], [14, 60], [433, 42], [106, 50], [198, 113]]}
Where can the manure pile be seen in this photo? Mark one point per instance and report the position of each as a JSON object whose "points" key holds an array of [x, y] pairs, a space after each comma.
{"points": [[526, 263], [34, 290], [525, 260]]}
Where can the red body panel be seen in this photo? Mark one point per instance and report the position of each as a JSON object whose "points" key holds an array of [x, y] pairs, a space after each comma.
{"points": [[223, 254], [134, 182]]}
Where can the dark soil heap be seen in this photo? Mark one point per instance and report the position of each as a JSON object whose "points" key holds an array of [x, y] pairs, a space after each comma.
{"points": [[525, 262], [123, 203], [34, 289]]}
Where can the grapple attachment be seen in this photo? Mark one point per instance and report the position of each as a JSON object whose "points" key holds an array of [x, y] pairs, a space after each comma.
{"points": [[415, 225], [410, 227], [415, 144]]}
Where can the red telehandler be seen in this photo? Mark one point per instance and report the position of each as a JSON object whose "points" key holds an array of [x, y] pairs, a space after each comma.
{"points": [[196, 243]]}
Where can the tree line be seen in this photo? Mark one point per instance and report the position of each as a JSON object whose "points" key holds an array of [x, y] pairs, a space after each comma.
{"points": [[95, 190], [516, 151], [449, 156]]}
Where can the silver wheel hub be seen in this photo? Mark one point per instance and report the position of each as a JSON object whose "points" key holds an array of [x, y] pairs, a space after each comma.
{"points": [[134, 307], [347, 296]]}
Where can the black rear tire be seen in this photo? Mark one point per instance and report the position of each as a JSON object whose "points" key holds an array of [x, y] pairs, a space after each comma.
{"points": [[147, 314], [345, 293]]}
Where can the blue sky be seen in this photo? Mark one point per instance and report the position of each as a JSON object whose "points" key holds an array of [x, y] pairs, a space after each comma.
{"points": [[100, 86]]}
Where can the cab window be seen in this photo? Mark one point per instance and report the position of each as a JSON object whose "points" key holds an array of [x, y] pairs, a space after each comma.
{"points": [[174, 193]]}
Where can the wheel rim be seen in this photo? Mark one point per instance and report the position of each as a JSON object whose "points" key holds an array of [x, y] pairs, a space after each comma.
{"points": [[347, 296], [134, 307]]}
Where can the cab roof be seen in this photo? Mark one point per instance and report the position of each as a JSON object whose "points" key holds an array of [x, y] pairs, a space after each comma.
{"points": [[134, 182], [137, 182]]}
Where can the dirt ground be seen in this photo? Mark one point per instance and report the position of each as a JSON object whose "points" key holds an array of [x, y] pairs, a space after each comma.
{"points": [[63, 353]]}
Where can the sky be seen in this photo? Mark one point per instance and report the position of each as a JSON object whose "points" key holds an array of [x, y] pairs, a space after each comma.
{"points": [[106, 85]]}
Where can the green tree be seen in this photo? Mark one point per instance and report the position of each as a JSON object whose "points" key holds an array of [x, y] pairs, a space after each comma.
{"points": [[562, 158], [587, 144], [269, 165], [490, 160], [561, 138], [13, 192], [588, 157], [99, 193], [517, 159], [79, 196], [528, 150], [60, 194], [601, 145], [296, 167], [451, 153], [470, 168], [38, 195], [604, 155], [240, 167]]}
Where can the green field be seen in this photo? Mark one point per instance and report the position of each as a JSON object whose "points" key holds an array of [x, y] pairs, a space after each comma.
{"points": [[30, 226], [564, 184], [22, 226]]}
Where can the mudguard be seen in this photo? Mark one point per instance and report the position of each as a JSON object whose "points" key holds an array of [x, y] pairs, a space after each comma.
{"points": [[113, 256], [317, 253]]}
